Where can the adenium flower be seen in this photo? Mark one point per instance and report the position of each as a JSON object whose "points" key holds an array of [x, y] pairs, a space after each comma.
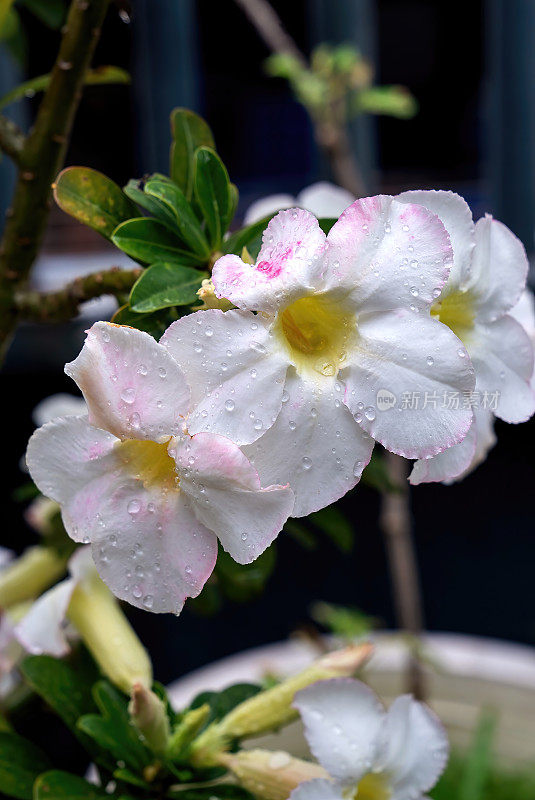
{"points": [[150, 498], [323, 199], [368, 752], [342, 321], [486, 282]]}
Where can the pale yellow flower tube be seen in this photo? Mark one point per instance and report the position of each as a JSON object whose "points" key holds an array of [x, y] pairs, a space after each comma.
{"points": [[28, 576]]}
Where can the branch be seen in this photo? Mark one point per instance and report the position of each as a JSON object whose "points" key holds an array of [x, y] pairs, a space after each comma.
{"points": [[12, 139], [330, 135], [64, 304], [42, 156], [397, 528]]}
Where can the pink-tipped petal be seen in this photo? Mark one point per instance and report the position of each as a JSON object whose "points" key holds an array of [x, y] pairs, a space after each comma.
{"points": [[287, 265], [449, 464], [407, 382], [454, 213], [225, 495], [387, 255], [315, 445], [132, 385], [235, 374]]}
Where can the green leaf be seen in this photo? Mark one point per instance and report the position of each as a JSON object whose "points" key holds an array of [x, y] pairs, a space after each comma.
{"points": [[213, 194], [51, 12], [148, 240], [242, 582], [112, 730], [332, 522], [479, 760], [221, 703], [326, 223], [58, 785], [98, 76], [376, 475], [182, 213], [245, 237], [346, 622], [155, 323], [164, 285], [93, 199], [134, 189], [66, 690], [20, 764], [189, 132], [223, 791]]}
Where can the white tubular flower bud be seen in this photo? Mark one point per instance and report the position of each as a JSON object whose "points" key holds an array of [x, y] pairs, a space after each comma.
{"points": [[271, 775], [28, 576]]}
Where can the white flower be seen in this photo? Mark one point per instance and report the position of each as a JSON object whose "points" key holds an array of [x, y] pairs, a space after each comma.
{"points": [[342, 321], [487, 280], [323, 199], [151, 499], [370, 753], [58, 405]]}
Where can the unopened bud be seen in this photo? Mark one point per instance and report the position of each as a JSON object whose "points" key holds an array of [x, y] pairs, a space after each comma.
{"points": [[108, 635], [270, 775], [207, 296], [149, 715], [28, 576], [187, 729], [273, 708]]}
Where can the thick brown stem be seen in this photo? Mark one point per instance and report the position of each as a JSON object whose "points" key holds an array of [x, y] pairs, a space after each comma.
{"points": [[64, 304], [42, 157], [334, 141], [397, 528]]}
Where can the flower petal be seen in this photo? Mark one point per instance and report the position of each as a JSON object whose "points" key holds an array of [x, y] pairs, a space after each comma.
{"points": [[415, 748], [314, 445], [502, 355], [454, 213], [287, 265], [42, 630], [319, 789], [151, 550], [524, 313], [388, 255], [58, 405], [415, 363], [342, 719], [65, 458], [324, 199], [499, 269], [132, 385], [267, 206], [449, 464], [236, 377], [225, 494]]}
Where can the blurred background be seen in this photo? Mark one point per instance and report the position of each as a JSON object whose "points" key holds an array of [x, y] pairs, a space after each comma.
{"points": [[471, 68]]}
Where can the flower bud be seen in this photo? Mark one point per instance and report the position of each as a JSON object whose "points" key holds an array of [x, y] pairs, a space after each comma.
{"points": [[270, 775], [108, 635], [207, 296], [187, 730], [273, 708], [28, 576], [149, 715]]}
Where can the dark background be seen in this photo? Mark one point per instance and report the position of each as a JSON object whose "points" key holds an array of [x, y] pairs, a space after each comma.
{"points": [[470, 66]]}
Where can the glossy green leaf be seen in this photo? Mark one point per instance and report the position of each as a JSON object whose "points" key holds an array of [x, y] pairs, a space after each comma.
{"points": [[155, 323], [245, 237], [189, 131], [20, 764], [213, 193], [93, 199], [134, 189], [98, 76], [326, 223], [112, 730], [59, 785], [164, 285], [149, 240], [182, 213]]}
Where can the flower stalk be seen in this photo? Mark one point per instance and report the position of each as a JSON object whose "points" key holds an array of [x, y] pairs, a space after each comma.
{"points": [[29, 576]]}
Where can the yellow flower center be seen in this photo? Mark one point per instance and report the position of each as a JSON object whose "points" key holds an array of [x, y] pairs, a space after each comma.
{"points": [[149, 462], [315, 331], [371, 787], [456, 311]]}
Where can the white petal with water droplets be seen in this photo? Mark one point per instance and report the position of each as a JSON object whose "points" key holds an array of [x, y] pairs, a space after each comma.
{"points": [[42, 630]]}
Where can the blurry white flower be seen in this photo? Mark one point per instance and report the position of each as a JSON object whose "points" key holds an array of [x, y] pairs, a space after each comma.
{"points": [[369, 753], [58, 405], [323, 199]]}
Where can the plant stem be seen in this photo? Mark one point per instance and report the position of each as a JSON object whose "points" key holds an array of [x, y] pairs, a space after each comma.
{"points": [[42, 156], [64, 304], [11, 139], [330, 134], [396, 524]]}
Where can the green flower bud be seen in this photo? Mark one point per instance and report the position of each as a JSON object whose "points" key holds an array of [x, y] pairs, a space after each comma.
{"points": [[149, 715]]}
